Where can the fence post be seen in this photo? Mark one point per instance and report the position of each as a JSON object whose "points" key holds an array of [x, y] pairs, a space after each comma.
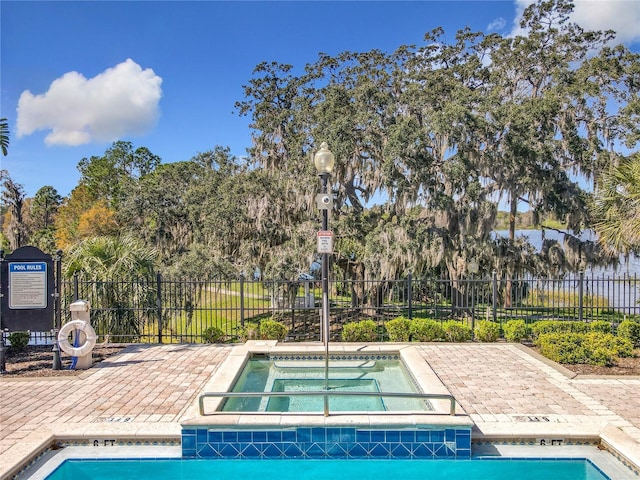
{"points": [[410, 299], [57, 361], [580, 296], [159, 304], [242, 299], [494, 294], [76, 281]]}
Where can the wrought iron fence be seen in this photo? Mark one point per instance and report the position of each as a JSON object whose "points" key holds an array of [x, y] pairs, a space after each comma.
{"points": [[162, 310]]}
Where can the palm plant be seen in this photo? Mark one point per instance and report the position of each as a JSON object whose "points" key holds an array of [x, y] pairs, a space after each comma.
{"points": [[116, 303], [4, 136], [616, 207]]}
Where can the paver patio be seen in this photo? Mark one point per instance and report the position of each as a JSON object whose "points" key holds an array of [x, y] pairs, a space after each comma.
{"points": [[146, 390]]}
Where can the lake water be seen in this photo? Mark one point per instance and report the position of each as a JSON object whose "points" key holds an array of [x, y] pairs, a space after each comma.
{"points": [[630, 266]]}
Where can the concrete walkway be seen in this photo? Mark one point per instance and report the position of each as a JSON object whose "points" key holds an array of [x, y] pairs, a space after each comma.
{"points": [[143, 394]]}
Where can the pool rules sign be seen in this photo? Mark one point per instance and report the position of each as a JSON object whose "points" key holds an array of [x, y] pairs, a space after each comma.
{"points": [[27, 289], [27, 285]]}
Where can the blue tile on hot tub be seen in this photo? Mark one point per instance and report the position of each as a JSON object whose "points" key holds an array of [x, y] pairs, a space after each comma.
{"points": [[463, 453], [423, 450], [357, 450], [392, 436], [463, 441], [318, 434], [407, 436], [250, 451], [336, 450], [271, 450], [289, 436], [229, 451], [230, 437], [304, 435], [291, 450], [314, 450], [380, 450], [333, 435], [400, 451], [202, 434], [189, 442], [259, 436], [206, 451]]}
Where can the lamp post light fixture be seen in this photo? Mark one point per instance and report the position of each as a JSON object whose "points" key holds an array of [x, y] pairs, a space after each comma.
{"points": [[324, 161]]}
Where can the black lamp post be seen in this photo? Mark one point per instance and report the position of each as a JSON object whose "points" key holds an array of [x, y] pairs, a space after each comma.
{"points": [[324, 161]]}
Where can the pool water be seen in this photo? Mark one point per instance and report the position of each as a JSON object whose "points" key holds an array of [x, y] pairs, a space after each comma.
{"points": [[362, 374], [177, 469]]}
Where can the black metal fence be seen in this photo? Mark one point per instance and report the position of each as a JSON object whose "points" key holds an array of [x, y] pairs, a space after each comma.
{"points": [[162, 310]]}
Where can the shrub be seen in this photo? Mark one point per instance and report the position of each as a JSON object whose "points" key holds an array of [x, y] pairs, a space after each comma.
{"points": [[630, 330], [601, 326], [618, 346], [272, 330], [457, 331], [248, 332], [398, 329], [487, 331], [595, 348], [563, 347], [426, 330], [515, 331], [362, 331], [557, 326], [19, 340], [212, 335]]}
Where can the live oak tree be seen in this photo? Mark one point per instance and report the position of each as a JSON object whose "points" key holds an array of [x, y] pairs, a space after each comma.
{"points": [[449, 130], [553, 117]]}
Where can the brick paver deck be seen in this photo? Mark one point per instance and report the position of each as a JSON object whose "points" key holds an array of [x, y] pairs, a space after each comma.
{"points": [[146, 390]]}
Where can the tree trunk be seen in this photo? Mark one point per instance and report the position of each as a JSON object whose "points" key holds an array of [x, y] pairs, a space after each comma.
{"points": [[512, 237]]}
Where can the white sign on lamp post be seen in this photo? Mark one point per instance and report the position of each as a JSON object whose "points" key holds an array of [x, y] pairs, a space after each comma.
{"points": [[325, 241]]}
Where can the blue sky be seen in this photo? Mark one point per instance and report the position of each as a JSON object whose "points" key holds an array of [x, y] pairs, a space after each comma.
{"points": [[76, 76]]}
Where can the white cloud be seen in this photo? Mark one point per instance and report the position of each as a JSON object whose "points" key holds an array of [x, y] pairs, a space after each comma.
{"points": [[497, 25], [120, 101], [622, 16]]}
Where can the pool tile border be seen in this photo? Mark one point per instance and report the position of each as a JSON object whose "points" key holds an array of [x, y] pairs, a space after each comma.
{"points": [[327, 442]]}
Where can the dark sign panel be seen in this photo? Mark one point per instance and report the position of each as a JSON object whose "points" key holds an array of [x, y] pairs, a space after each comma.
{"points": [[27, 287]]}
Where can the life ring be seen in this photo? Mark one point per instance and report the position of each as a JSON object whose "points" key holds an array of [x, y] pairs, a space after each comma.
{"points": [[80, 326]]}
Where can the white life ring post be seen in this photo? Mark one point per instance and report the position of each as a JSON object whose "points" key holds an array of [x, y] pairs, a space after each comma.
{"points": [[80, 327]]}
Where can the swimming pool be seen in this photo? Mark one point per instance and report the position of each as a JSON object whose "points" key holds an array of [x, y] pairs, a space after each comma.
{"points": [[347, 373], [177, 469]]}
